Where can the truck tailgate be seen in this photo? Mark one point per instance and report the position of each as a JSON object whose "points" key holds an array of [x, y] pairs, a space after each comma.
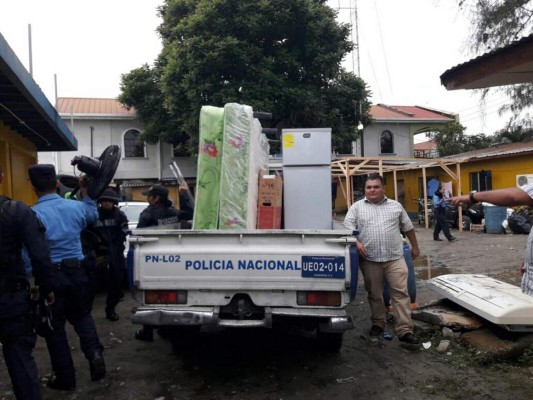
{"points": [[239, 260]]}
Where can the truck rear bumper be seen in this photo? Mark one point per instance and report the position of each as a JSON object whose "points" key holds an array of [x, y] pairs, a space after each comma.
{"points": [[330, 320]]}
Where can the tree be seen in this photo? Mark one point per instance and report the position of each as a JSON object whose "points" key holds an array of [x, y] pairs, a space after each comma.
{"points": [[139, 90], [513, 134], [452, 140], [279, 56], [496, 23], [343, 106]]}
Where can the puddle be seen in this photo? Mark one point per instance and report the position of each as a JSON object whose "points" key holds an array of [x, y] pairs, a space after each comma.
{"points": [[426, 269]]}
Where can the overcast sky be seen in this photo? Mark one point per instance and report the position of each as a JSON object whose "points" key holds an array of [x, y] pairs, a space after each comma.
{"points": [[404, 47]]}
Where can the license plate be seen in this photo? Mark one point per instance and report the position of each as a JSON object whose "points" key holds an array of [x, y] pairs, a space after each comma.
{"points": [[323, 267]]}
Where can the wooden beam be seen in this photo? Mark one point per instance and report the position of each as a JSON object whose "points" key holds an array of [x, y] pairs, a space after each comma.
{"points": [[459, 207], [426, 214], [449, 171], [395, 186]]}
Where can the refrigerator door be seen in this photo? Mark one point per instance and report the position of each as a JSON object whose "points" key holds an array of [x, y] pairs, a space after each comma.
{"points": [[307, 197], [306, 146]]}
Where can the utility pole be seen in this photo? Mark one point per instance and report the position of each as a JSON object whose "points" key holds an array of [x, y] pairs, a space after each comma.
{"points": [[355, 27], [350, 7], [30, 50]]}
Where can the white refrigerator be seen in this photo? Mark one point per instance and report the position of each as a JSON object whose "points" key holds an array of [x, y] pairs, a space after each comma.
{"points": [[307, 202]]}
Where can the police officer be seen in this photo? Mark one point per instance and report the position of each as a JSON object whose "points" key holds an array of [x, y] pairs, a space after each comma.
{"points": [[440, 202], [64, 220], [111, 227], [160, 210], [20, 227], [158, 213]]}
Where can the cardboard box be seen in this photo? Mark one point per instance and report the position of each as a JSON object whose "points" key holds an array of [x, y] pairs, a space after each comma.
{"points": [[477, 227], [269, 202]]}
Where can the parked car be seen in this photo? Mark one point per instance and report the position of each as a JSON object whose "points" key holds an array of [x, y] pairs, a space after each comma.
{"points": [[133, 210]]}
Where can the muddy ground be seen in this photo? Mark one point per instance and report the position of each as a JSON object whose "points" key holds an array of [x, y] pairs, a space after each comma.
{"points": [[275, 364]]}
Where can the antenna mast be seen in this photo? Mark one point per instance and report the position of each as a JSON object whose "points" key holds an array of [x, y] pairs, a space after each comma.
{"points": [[350, 6]]}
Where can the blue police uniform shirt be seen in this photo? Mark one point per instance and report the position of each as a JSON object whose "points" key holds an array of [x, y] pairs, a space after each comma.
{"points": [[64, 220], [439, 201]]}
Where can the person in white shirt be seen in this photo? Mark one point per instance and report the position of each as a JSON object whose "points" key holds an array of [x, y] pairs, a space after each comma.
{"points": [[379, 222]]}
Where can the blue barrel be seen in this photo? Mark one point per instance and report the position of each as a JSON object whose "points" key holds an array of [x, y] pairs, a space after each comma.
{"points": [[494, 216]]}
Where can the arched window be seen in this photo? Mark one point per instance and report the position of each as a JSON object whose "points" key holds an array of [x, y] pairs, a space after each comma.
{"points": [[386, 142], [133, 145]]}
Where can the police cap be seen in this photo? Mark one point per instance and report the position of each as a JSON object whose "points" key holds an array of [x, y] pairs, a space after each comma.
{"points": [[42, 176], [109, 194], [157, 190]]}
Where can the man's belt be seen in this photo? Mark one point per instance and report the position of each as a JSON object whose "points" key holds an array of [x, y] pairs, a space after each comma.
{"points": [[68, 263], [13, 285]]}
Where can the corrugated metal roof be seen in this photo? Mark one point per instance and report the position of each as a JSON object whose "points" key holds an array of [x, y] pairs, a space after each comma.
{"points": [[382, 112], [429, 145], [506, 65], [25, 108], [74, 106], [497, 151]]}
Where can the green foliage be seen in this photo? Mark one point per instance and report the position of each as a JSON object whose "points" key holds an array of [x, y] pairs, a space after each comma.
{"points": [[139, 90], [452, 140], [513, 134], [279, 56], [496, 23]]}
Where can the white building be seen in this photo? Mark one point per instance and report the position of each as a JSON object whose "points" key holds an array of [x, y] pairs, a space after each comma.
{"points": [[98, 123]]}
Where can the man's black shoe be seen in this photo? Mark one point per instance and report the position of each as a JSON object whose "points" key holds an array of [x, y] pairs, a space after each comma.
{"points": [[97, 366], [112, 316], [438, 240], [58, 384], [145, 334], [410, 340], [375, 331], [451, 239]]}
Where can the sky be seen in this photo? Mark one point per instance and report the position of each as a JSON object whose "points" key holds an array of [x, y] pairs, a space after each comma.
{"points": [[404, 47]]}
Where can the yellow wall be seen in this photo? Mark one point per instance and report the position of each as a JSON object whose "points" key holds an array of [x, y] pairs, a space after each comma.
{"points": [[16, 155], [504, 171], [410, 183]]}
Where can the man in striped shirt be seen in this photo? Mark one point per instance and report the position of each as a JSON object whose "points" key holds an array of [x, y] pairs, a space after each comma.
{"points": [[379, 222], [512, 196]]}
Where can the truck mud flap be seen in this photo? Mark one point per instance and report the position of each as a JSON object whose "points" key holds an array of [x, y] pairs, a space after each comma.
{"points": [[354, 271], [129, 266]]}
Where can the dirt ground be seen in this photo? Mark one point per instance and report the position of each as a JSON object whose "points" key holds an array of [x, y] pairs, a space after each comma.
{"points": [[281, 364]]}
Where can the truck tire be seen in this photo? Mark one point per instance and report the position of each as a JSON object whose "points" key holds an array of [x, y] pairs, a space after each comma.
{"points": [[331, 342]]}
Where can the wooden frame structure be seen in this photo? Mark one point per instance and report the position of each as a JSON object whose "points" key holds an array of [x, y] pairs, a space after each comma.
{"points": [[347, 167]]}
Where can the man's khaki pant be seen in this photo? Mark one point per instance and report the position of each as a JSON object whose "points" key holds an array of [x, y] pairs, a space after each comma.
{"points": [[395, 273]]}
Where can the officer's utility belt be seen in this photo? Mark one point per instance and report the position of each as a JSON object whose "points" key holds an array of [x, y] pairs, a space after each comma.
{"points": [[68, 263], [13, 285]]}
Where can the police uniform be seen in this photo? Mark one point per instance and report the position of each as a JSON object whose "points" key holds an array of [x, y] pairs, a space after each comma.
{"points": [[111, 227], [162, 213], [439, 202], [20, 227], [64, 220]]}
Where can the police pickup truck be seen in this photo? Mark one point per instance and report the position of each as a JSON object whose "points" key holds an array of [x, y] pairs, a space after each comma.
{"points": [[214, 279]]}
